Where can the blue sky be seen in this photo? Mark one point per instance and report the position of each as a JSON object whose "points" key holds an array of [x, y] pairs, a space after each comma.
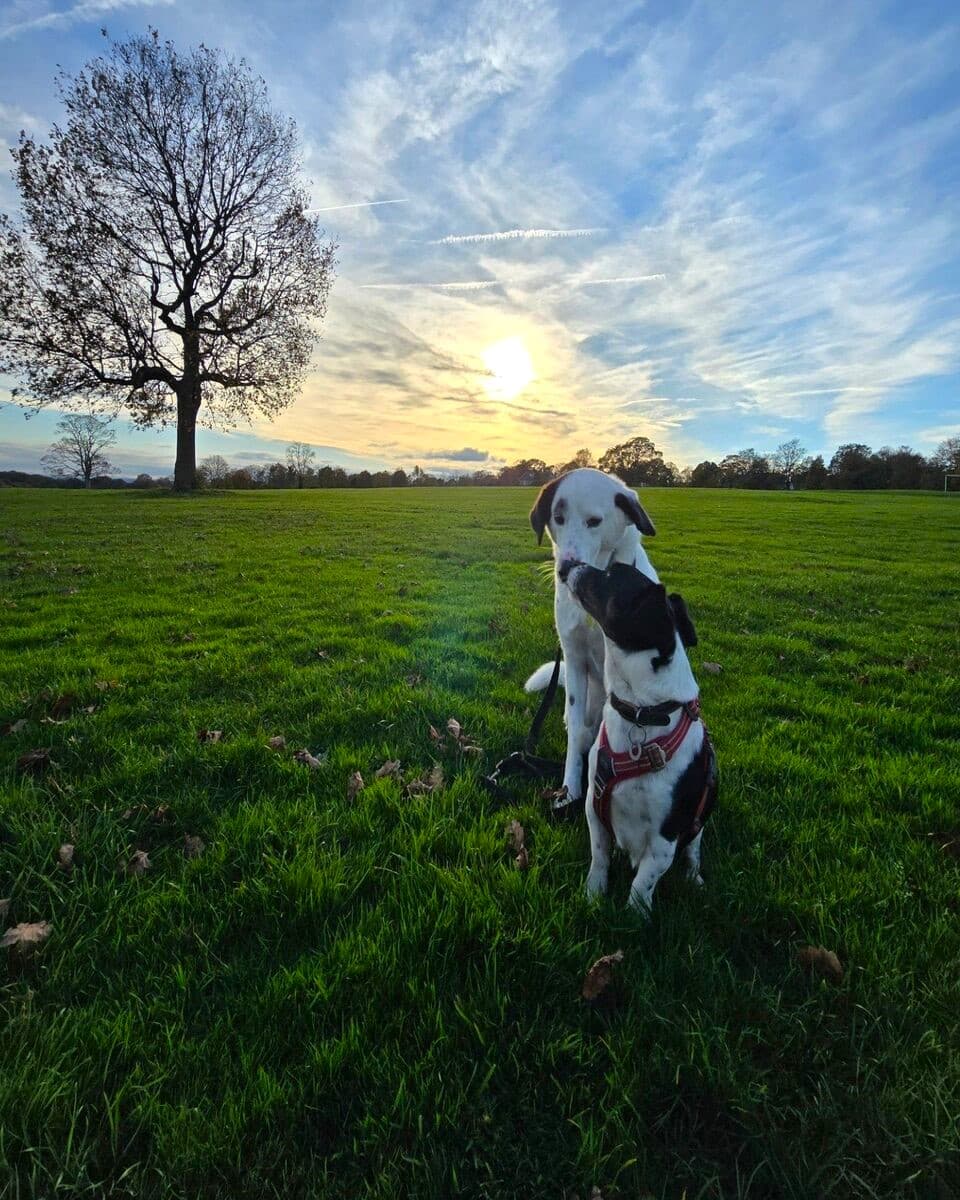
{"points": [[720, 225]]}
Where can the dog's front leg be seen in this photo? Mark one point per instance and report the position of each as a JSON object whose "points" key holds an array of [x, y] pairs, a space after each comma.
{"points": [[580, 735], [601, 844], [656, 860]]}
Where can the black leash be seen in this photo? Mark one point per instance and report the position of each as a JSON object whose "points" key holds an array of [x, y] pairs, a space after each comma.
{"points": [[526, 761]]}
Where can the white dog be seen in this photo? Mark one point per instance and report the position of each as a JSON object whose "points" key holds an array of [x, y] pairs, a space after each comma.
{"points": [[596, 519], [653, 777]]}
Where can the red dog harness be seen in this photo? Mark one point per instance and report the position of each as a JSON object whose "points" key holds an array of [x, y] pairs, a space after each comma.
{"points": [[653, 755]]}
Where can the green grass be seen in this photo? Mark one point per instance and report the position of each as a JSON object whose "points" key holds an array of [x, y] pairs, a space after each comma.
{"points": [[365, 999]]}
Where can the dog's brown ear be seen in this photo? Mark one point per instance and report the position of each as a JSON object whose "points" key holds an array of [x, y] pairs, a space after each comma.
{"points": [[635, 511], [540, 513], [688, 635]]}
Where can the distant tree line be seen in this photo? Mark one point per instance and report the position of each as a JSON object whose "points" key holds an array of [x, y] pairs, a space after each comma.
{"points": [[638, 461]]}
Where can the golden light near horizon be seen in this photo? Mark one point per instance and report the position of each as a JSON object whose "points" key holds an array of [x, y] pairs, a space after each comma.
{"points": [[510, 368]]}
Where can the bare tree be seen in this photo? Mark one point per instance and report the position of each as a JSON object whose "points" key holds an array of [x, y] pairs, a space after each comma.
{"points": [[165, 259], [78, 454], [300, 459], [213, 470], [787, 460]]}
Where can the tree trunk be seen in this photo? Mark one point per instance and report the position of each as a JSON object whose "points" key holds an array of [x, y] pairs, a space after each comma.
{"points": [[188, 405]]}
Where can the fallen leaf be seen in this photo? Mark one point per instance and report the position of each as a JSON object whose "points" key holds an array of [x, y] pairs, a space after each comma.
{"points": [[13, 727], [600, 975], [470, 748], [209, 735], [516, 836], [277, 743], [193, 846], [104, 685], [65, 857], [323, 653], [89, 709], [355, 784], [304, 756], [139, 864], [188, 637], [426, 783], [711, 668], [823, 962], [595, 1193], [161, 814], [28, 935], [435, 735], [522, 861], [389, 769], [35, 760], [62, 706], [413, 679], [454, 729], [4, 908]]}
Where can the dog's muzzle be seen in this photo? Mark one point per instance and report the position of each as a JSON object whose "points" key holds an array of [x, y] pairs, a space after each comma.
{"points": [[567, 567]]}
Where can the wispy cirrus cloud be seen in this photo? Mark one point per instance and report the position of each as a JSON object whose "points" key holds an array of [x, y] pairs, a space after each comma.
{"points": [[62, 18]]}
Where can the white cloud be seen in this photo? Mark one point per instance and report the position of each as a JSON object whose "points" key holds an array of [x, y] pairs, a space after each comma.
{"points": [[86, 10], [512, 235]]}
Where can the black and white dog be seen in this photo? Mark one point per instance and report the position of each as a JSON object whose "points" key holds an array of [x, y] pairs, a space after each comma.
{"points": [[594, 518], [652, 769]]}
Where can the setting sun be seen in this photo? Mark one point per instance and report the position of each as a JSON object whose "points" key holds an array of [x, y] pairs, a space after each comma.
{"points": [[509, 368]]}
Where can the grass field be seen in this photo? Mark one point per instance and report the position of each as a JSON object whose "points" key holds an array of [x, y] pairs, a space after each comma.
{"points": [[363, 997]]}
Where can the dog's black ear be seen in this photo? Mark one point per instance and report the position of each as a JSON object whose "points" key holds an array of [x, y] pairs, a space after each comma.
{"points": [[540, 513], [688, 635], [635, 511]]}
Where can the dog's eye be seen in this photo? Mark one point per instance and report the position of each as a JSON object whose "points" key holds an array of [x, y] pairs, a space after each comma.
{"points": [[593, 522], [558, 519]]}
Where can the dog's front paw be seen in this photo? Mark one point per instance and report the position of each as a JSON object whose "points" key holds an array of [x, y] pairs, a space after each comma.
{"points": [[596, 883], [563, 806]]}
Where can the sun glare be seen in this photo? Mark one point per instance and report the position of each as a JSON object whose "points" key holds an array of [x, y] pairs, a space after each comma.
{"points": [[509, 367]]}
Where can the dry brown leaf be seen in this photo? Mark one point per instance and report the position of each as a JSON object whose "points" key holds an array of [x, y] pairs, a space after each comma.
{"points": [[516, 836], [65, 857], [277, 743], [35, 760], [62, 706], [89, 709], [522, 861], [469, 748], [13, 727], [27, 935], [600, 975], [435, 777], [321, 654], [4, 908], [454, 729], [209, 735], [161, 814], [193, 846], [426, 783], [412, 679], [822, 962], [435, 735], [304, 756], [355, 784], [554, 794], [139, 863], [389, 769], [711, 668], [104, 685]]}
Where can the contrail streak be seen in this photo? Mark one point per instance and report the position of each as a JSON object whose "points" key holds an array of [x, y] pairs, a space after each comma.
{"points": [[362, 204], [510, 235]]}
